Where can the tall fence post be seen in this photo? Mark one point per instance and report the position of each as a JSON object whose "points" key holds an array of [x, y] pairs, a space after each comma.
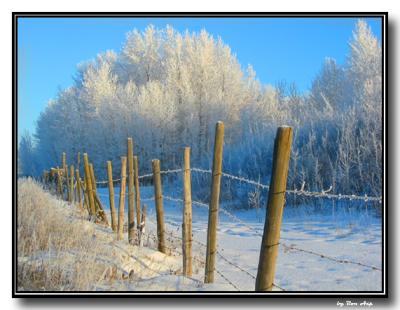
{"points": [[131, 210], [137, 189], [78, 188], [187, 215], [276, 200], [214, 204], [89, 188], [111, 196], [159, 205], [71, 186], [121, 210]]}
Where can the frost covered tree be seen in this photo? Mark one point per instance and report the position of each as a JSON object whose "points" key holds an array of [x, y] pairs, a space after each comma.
{"points": [[167, 89], [26, 156]]}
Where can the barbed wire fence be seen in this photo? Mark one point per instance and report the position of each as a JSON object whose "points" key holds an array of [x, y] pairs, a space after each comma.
{"points": [[297, 192]]}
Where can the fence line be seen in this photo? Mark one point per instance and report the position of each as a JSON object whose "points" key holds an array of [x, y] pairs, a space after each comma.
{"points": [[171, 234], [301, 192], [259, 234], [298, 192], [342, 261]]}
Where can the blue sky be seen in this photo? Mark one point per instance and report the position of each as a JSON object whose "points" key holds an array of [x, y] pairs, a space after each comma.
{"points": [[290, 49]]}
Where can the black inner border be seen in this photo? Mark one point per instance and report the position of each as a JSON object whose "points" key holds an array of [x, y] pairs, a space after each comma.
{"points": [[334, 294]]}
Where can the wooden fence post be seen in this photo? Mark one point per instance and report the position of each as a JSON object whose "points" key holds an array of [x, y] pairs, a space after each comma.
{"points": [[137, 189], [276, 200], [64, 161], [187, 215], [142, 225], [93, 178], [111, 197], [71, 180], [131, 210], [78, 189], [121, 212], [67, 183], [214, 204], [85, 196], [159, 205], [89, 188], [94, 188]]}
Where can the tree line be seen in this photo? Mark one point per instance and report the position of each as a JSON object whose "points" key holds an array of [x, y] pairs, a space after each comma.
{"points": [[167, 89]]}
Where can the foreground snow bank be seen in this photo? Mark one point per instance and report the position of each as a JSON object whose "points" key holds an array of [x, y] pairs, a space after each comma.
{"points": [[59, 250]]}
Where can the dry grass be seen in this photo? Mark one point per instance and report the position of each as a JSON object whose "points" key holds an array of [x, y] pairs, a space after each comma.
{"points": [[57, 248]]}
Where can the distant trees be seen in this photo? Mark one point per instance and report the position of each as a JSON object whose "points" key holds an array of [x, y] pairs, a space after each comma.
{"points": [[167, 89]]}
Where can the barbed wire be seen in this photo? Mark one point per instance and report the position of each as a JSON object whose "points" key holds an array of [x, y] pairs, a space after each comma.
{"points": [[233, 177], [338, 260], [298, 192], [258, 233], [342, 261], [171, 234], [301, 192]]}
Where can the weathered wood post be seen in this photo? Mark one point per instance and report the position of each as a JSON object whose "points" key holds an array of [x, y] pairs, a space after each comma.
{"points": [[89, 188], [71, 185], [93, 178], [214, 204], [131, 208], [78, 189], [121, 212], [276, 200], [64, 161], [159, 205], [142, 225], [137, 189], [65, 174], [187, 215], [111, 197], [85, 196], [67, 183]]}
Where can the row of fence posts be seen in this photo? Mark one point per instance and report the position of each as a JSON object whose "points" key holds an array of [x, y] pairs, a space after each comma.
{"points": [[91, 202]]}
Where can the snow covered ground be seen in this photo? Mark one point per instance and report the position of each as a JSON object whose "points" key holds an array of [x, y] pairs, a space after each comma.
{"points": [[342, 234]]}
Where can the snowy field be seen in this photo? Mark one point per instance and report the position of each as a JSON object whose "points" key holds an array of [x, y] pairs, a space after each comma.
{"points": [[350, 241]]}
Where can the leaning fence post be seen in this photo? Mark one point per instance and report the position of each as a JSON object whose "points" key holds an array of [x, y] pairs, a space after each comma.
{"points": [[93, 178], [131, 210], [214, 204], [187, 215], [137, 190], [111, 197], [159, 205], [78, 189], [89, 188], [276, 200], [71, 186], [121, 212]]}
